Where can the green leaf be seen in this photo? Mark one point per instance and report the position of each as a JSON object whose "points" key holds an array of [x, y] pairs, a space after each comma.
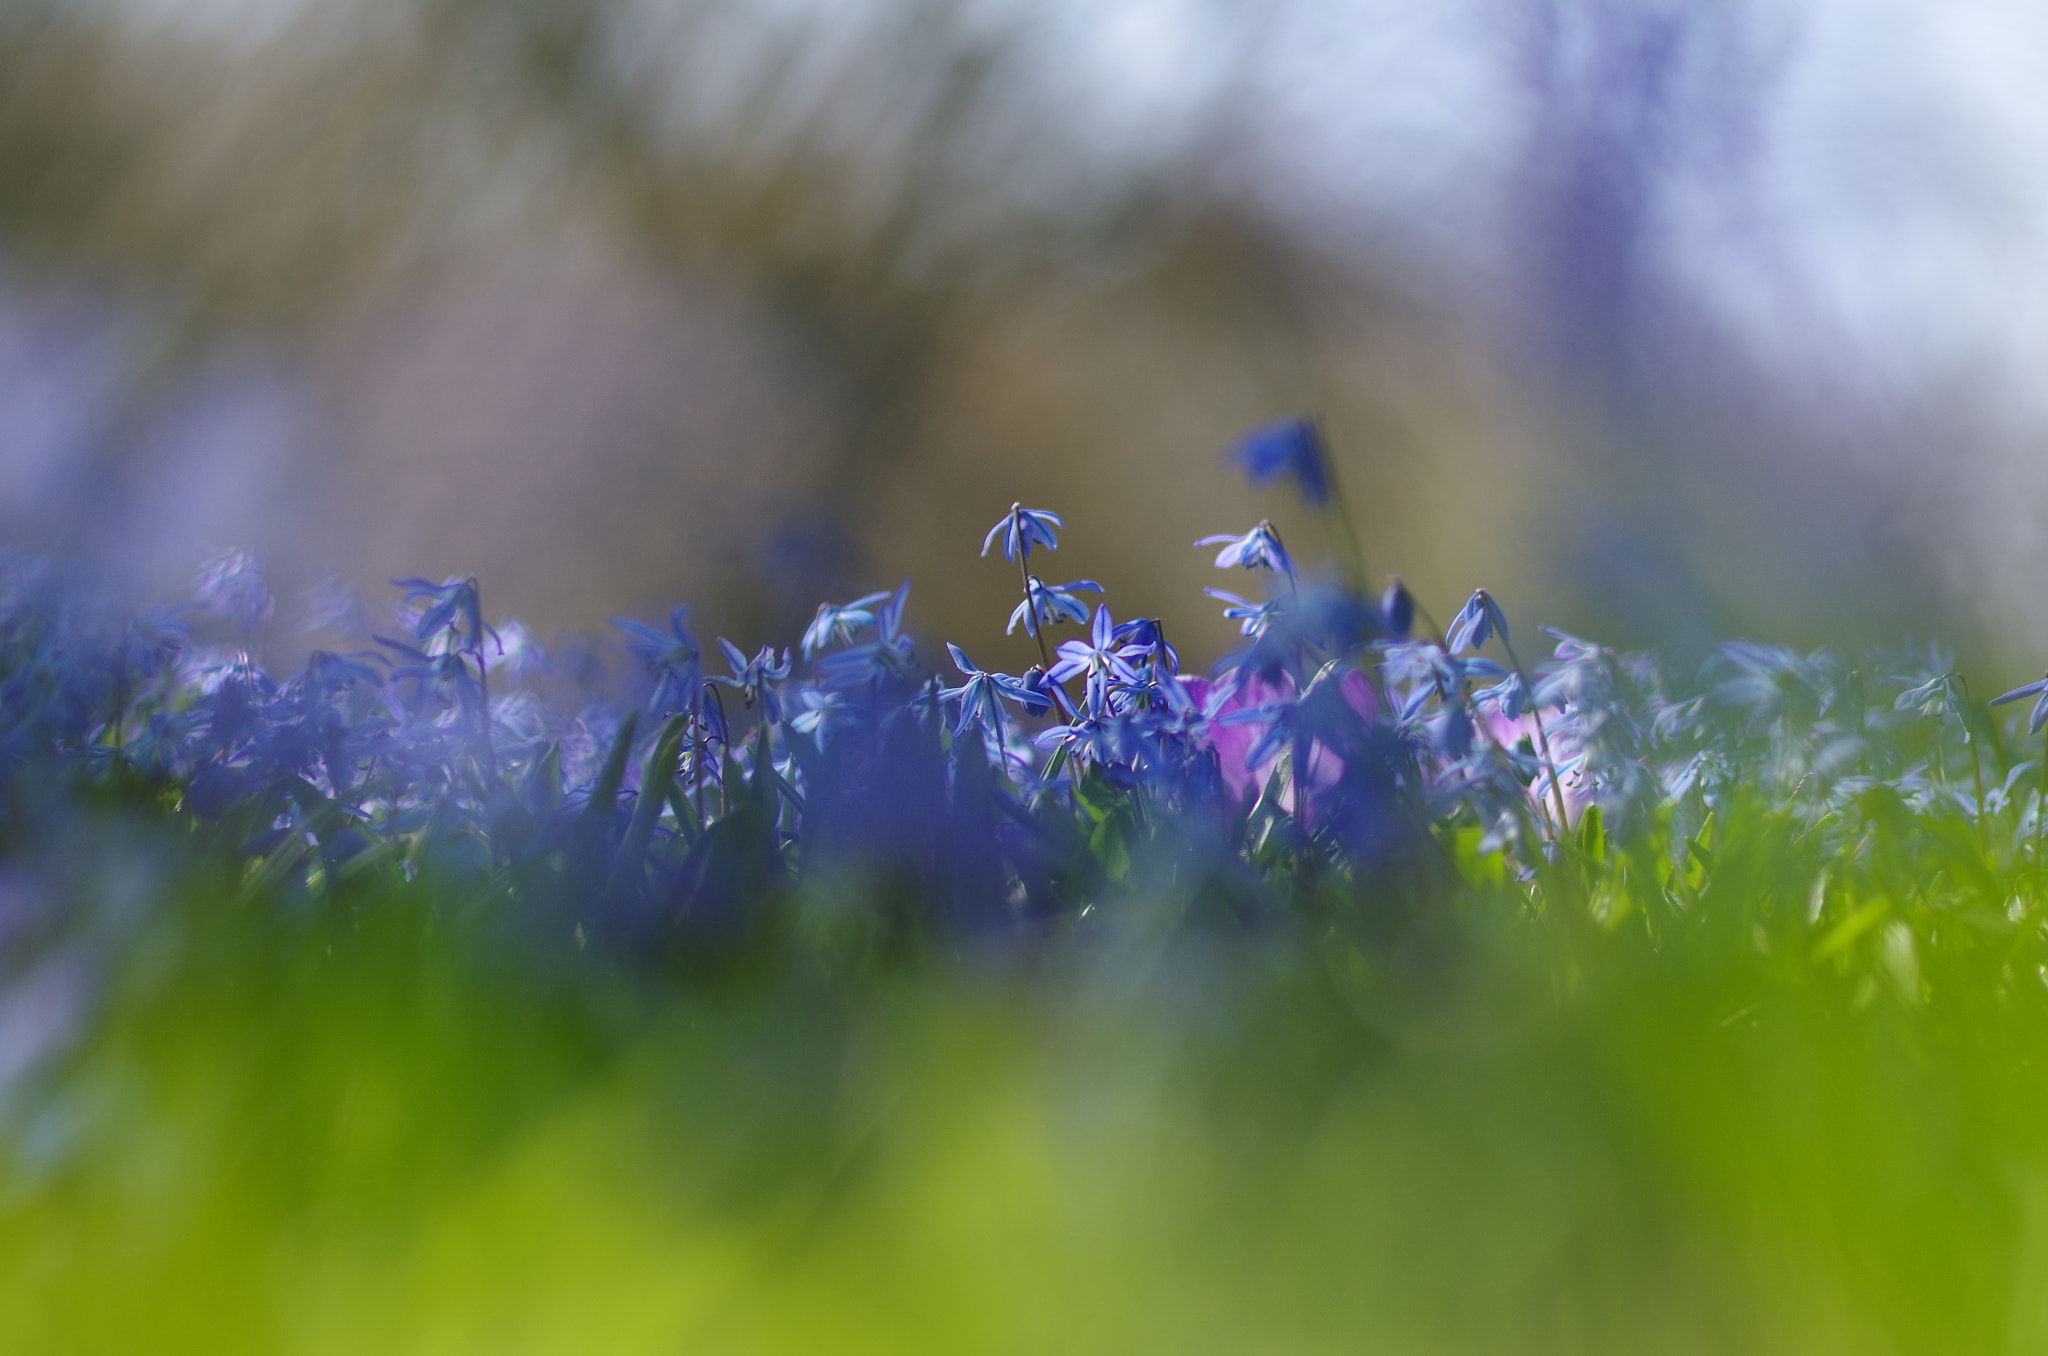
{"points": [[1844, 934], [604, 796]]}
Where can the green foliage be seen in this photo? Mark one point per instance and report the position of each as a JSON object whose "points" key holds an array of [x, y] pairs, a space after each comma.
{"points": [[1763, 1086]]}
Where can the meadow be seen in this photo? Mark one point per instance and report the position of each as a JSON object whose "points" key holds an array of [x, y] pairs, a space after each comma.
{"points": [[1375, 991]]}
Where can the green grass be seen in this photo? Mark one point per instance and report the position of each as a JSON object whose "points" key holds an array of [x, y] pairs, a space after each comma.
{"points": [[1705, 1108]]}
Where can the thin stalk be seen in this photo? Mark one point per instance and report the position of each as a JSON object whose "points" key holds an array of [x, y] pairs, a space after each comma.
{"points": [[697, 762], [483, 684], [121, 709], [1344, 532], [1542, 739], [1031, 608], [2041, 811], [1554, 830], [483, 717], [1976, 766]]}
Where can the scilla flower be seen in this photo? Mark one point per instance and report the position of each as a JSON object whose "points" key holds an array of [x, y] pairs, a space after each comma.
{"points": [[1257, 549], [1292, 448], [1021, 527]]}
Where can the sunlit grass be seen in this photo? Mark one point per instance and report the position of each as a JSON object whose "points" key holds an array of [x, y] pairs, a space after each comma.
{"points": [[369, 1130]]}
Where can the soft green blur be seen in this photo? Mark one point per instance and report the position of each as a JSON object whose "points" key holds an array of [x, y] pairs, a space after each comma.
{"points": [[389, 1130]]}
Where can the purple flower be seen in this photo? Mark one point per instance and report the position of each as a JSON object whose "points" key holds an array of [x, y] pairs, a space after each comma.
{"points": [[1291, 448]]}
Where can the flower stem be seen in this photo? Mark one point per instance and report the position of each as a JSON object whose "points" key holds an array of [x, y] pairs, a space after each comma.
{"points": [[1976, 766], [1031, 608], [1542, 739]]}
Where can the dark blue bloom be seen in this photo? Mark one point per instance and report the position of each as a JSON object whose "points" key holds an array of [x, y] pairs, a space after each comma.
{"points": [[1397, 608], [1291, 448], [674, 657], [453, 616], [447, 674], [1020, 528], [756, 678], [1038, 694], [1144, 639], [1259, 548]]}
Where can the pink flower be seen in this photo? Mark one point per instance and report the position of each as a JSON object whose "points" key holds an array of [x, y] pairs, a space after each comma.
{"points": [[1508, 731], [1234, 741]]}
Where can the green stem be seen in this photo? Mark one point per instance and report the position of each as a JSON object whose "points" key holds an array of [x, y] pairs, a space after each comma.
{"points": [[2041, 811], [1031, 610], [1542, 739], [1976, 766]]}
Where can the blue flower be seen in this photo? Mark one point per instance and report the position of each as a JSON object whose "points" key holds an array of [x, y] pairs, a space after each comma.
{"points": [[326, 674], [454, 614], [1056, 603], [1508, 696], [1476, 622], [888, 655], [1144, 639], [2037, 688], [755, 678], [1098, 658], [1937, 696], [1021, 527], [1292, 448], [1038, 694], [447, 673], [675, 658], [1256, 549], [150, 642], [980, 697], [1254, 617], [821, 711], [837, 624], [1397, 608]]}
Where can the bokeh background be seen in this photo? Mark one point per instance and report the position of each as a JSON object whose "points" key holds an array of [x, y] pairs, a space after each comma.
{"points": [[1663, 320]]}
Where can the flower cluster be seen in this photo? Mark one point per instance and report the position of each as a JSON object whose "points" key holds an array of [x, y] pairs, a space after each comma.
{"points": [[1339, 754]]}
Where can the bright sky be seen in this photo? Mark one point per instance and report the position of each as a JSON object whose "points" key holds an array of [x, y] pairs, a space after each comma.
{"points": [[1900, 184]]}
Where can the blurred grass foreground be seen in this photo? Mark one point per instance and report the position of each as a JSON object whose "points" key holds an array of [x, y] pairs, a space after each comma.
{"points": [[382, 1134]]}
